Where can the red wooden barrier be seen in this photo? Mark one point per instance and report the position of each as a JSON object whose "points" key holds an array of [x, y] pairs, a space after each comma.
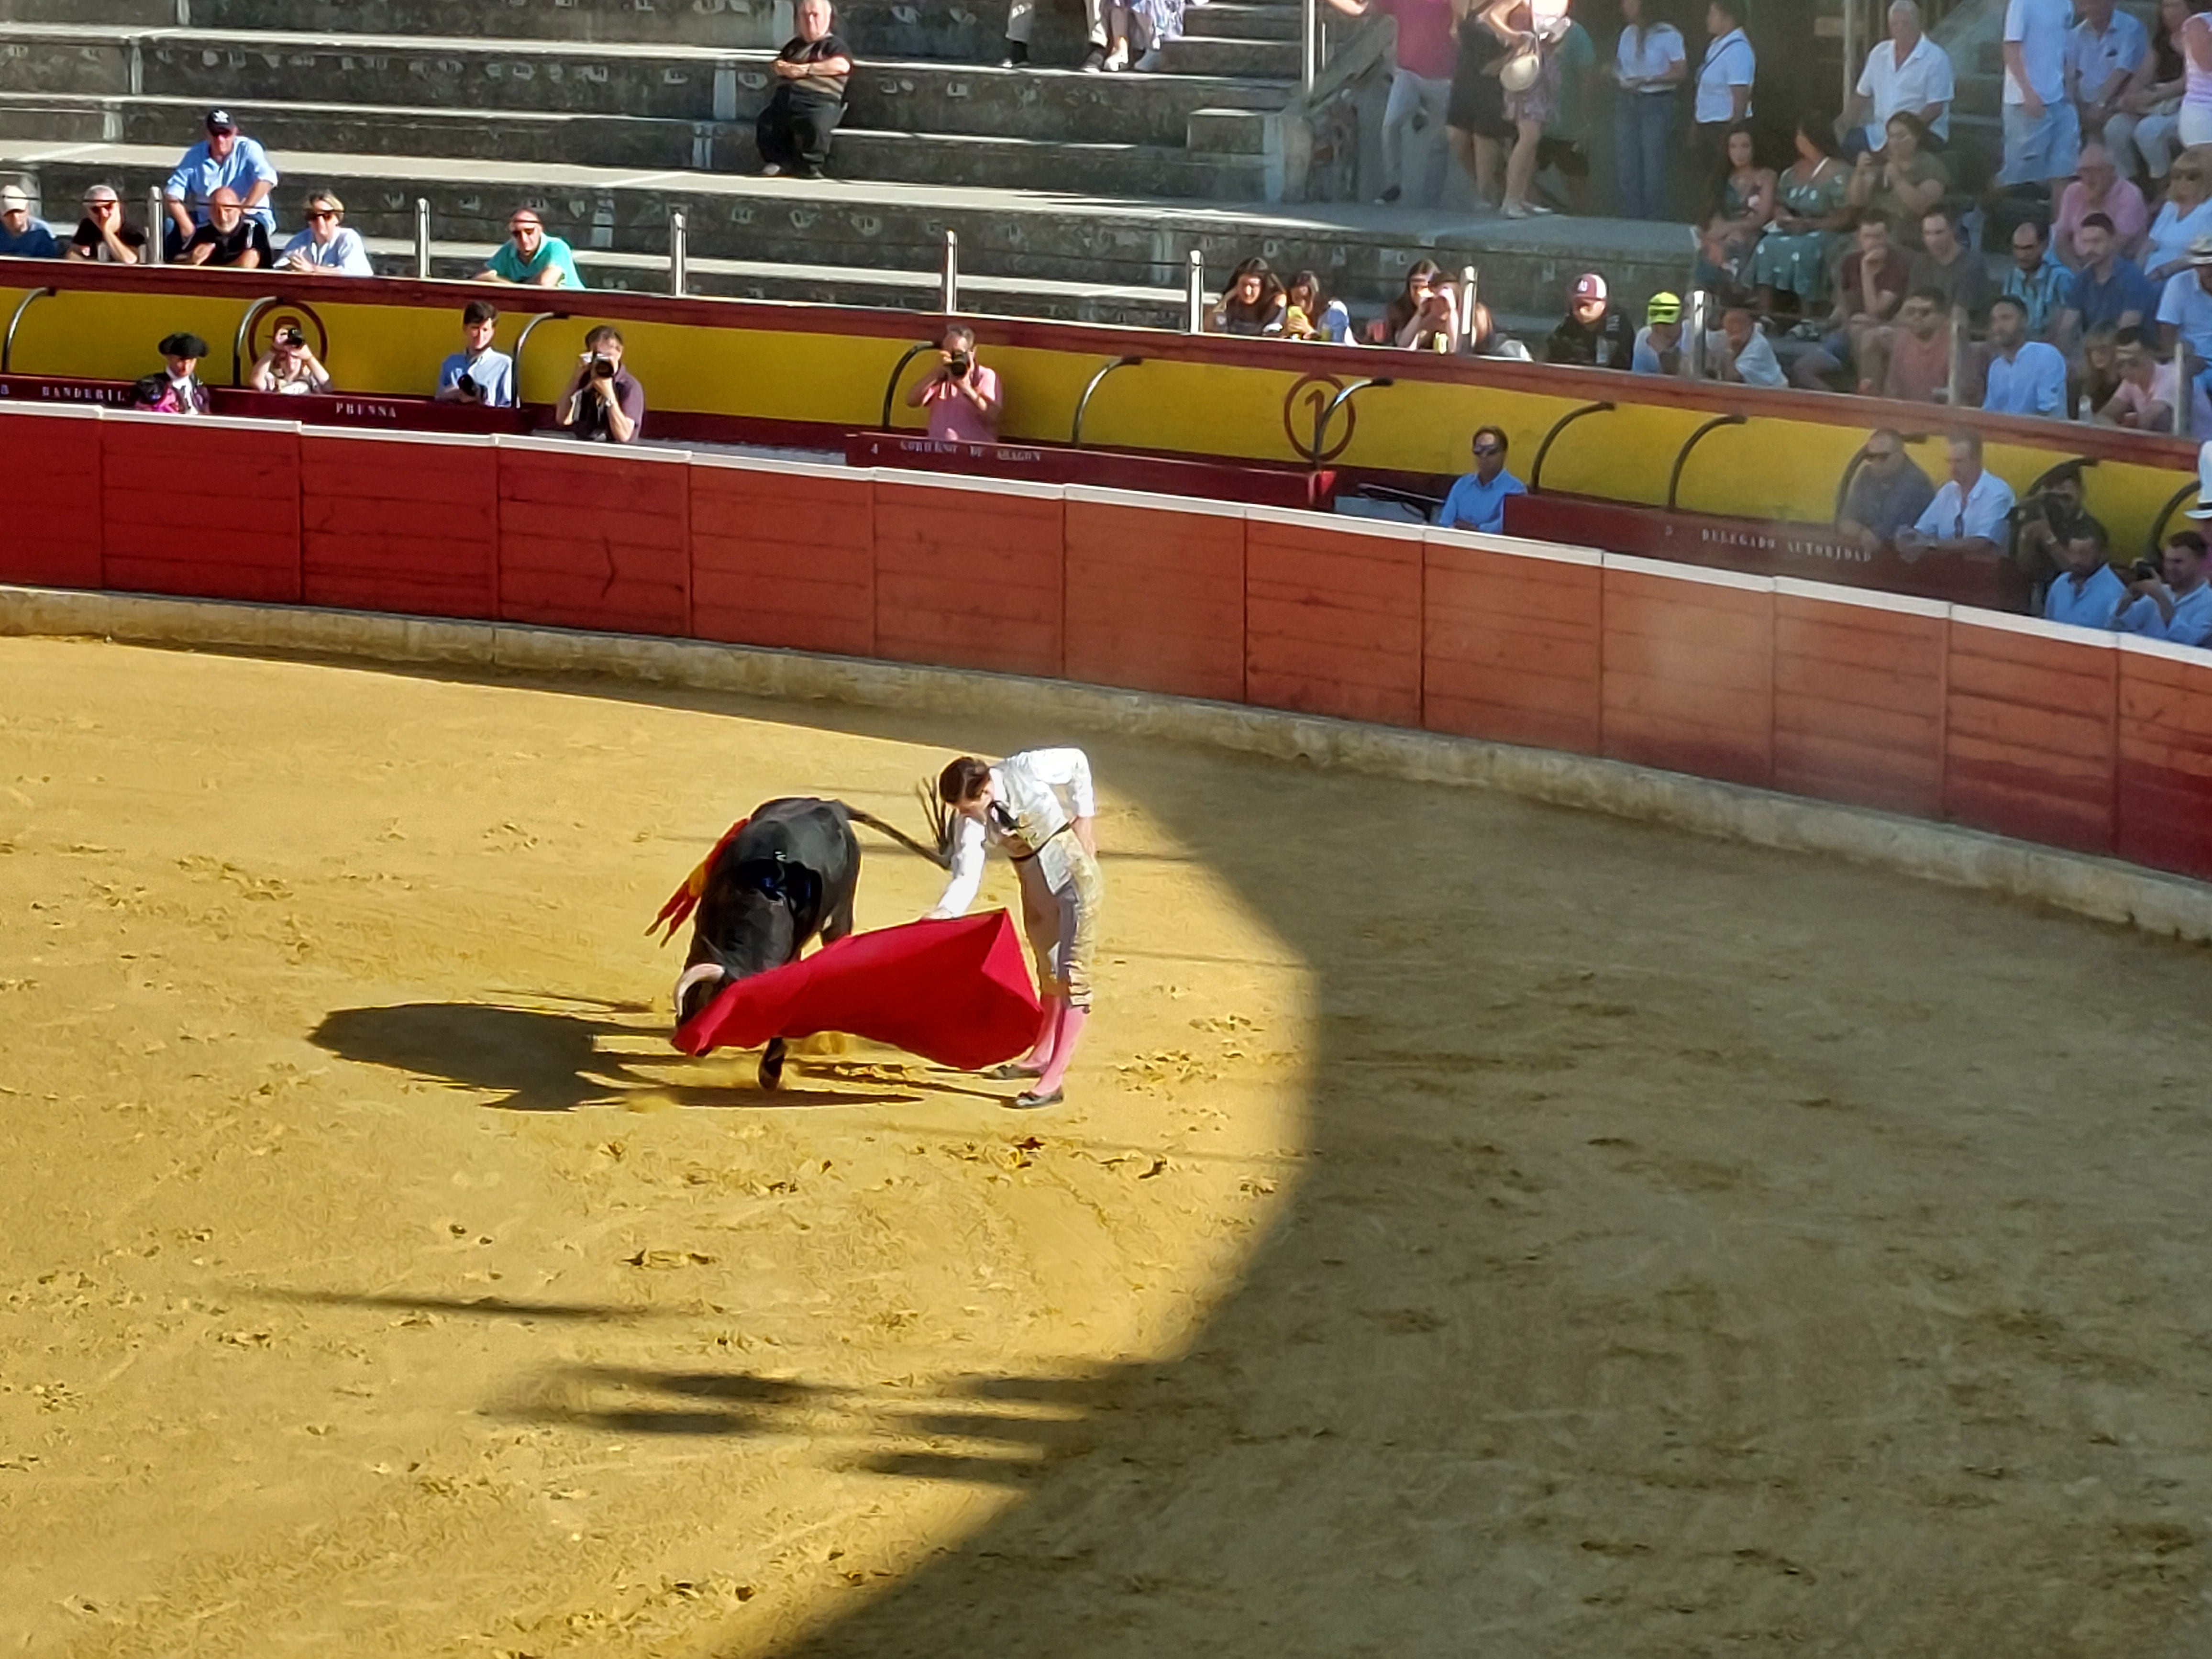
{"points": [[393, 522], [594, 537], [783, 555], [1859, 697], [2165, 777], [50, 459], [1510, 641], [1689, 669], [1156, 594], [1333, 616], [2029, 730], [200, 506], [968, 573]]}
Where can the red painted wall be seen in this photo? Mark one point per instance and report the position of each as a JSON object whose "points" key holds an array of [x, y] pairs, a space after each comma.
{"points": [[1511, 643], [1155, 596], [593, 537], [1859, 700], [784, 557], [391, 524], [1688, 680], [1332, 617], [50, 525], [200, 506], [969, 575]]}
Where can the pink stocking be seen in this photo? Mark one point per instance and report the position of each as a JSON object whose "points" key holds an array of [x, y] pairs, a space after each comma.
{"points": [[1069, 1034], [1039, 1057]]}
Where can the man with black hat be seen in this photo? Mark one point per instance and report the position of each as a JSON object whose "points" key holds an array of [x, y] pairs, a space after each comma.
{"points": [[225, 160], [176, 390]]}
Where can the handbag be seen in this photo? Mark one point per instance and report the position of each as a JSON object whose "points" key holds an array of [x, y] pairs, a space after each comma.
{"points": [[1521, 70]]}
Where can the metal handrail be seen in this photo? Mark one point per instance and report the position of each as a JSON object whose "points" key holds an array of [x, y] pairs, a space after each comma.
{"points": [[245, 327], [890, 387], [1536, 472], [1682, 455], [8, 346], [1328, 414], [523, 339], [2075, 464], [1082, 404]]}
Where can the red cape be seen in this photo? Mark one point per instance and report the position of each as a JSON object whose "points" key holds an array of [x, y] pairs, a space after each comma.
{"points": [[955, 991]]}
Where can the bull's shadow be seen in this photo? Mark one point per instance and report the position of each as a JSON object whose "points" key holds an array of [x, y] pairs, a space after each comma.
{"points": [[543, 1059]]}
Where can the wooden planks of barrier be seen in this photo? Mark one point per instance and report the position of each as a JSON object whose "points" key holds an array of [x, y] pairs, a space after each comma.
{"points": [[783, 553], [1689, 669], [389, 521], [1510, 641], [1154, 593], [1333, 616], [968, 573], [591, 537], [1859, 697], [2163, 774], [2030, 739], [53, 510], [205, 507]]}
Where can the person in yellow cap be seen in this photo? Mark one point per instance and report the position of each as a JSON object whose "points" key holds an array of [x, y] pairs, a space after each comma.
{"points": [[1659, 342]]}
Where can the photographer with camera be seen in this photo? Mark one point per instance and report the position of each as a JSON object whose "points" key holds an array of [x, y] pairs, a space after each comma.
{"points": [[2086, 593], [289, 367], [476, 373], [2170, 601], [601, 403], [961, 395]]}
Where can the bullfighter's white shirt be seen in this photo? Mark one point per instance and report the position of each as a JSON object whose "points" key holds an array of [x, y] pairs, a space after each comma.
{"points": [[1028, 786]]}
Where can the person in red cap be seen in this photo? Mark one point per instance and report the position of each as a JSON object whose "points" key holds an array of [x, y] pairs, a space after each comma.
{"points": [[224, 160], [1594, 334]]}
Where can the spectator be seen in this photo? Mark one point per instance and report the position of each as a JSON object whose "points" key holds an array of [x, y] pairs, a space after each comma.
{"points": [[2149, 389], [2098, 188], [1477, 501], [229, 240], [602, 404], [476, 373], [224, 160], [793, 130], [326, 246], [1915, 354], [2042, 285], [2195, 126], [22, 237], [1649, 65], [1312, 315], [2100, 370], [1021, 16], [2185, 309], [1948, 265], [1888, 493], [1659, 342], [961, 394], [1812, 207], [1870, 286], [1908, 72], [2185, 215], [2177, 608], [2024, 376], [1475, 124], [1725, 76], [103, 234], [1564, 149], [289, 367], [2143, 133], [1425, 313], [177, 389], [2085, 593], [1530, 75], [1420, 83], [530, 259], [1593, 334], [1161, 21], [1253, 303], [2109, 291], [1745, 206], [2042, 133], [1904, 182], [2103, 52], [1745, 356], [1967, 514]]}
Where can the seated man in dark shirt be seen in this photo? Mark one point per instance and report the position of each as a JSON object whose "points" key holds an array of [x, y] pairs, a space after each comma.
{"points": [[601, 403], [793, 130], [103, 235], [1888, 493], [1593, 334], [229, 238]]}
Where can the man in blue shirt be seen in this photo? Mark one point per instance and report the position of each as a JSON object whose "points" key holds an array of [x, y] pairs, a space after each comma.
{"points": [[2185, 309], [476, 373], [1477, 501], [2041, 283], [2109, 290], [225, 160], [2026, 377], [21, 236], [2085, 592], [2178, 609]]}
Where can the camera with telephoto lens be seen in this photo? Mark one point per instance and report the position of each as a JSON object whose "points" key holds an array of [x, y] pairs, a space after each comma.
{"points": [[603, 368], [959, 363], [2145, 571], [291, 337]]}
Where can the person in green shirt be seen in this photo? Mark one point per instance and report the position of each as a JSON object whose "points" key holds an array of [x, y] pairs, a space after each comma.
{"points": [[1565, 146], [530, 259]]}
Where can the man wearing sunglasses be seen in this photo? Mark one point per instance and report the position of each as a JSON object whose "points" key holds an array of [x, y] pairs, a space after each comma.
{"points": [[103, 235], [530, 259], [326, 247], [1477, 501]]}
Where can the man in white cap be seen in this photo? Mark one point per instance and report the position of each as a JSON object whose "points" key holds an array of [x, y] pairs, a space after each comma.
{"points": [[22, 237], [103, 235], [225, 160], [1594, 334]]}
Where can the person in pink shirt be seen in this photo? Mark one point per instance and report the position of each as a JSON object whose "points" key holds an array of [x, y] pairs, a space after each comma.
{"points": [[961, 395], [2097, 187], [1427, 49]]}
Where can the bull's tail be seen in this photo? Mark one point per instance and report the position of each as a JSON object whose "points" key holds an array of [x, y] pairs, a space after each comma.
{"points": [[940, 855]]}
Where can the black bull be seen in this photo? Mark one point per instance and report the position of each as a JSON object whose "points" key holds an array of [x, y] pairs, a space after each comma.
{"points": [[789, 875]]}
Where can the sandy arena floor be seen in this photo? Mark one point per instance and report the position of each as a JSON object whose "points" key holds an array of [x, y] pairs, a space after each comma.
{"points": [[1475, 1229]]}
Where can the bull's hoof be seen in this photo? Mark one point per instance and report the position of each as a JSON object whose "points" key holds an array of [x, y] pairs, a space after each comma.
{"points": [[771, 1069]]}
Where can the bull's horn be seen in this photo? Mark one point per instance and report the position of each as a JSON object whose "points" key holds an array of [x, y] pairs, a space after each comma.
{"points": [[697, 973]]}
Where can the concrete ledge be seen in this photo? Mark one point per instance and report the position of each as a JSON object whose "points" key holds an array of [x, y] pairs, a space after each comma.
{"points": [[2104, 889]]}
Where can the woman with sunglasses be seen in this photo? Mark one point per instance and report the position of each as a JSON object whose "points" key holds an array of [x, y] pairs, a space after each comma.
{"points": [[326, 247]]}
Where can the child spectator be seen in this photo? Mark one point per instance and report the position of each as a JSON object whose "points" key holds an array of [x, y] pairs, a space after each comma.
{"points": [[1312, 315], [1253, 303], [530, 259], [22, 237], [103, 235], [326, 246], [177, 389], [476, 373], [794, 131], [1425, 315], [290, 367]]}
